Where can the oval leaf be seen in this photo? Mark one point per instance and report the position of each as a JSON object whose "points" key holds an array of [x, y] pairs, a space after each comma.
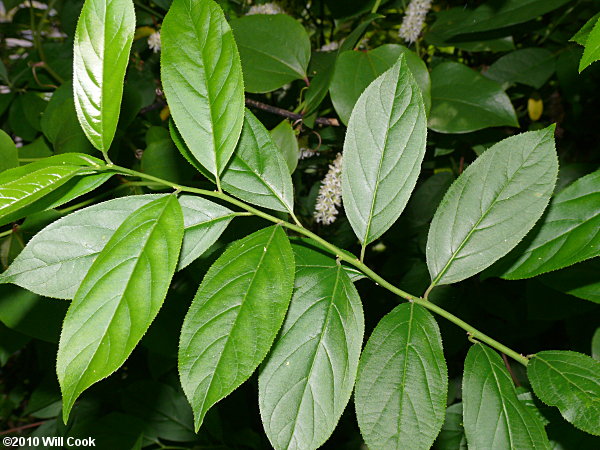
{"points": [[570, 381], [383, 150], [463, 100], [101, 51], [21, 186], [284, 137], [493, 416], [476, 223], [234, 317], [530, 66], [354, 71], [202, 79], [274, 49], [309, 375], [119, 297], [402, 381], [568, 234], [56, 260], [258, 172]]}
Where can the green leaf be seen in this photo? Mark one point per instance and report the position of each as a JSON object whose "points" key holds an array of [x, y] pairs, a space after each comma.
{"points": [[100, 55], [9, 155], [476, 223], [530, 66], [274, 49], [165, 411], [353, 38], [582, 35], [580, 280], [56, 260], [596, 345], [162, 159], [402, 381], [569, 381], [591, 53], [383, 150], [452, 435], [354, 71], [568, 234], [235, 317], [497, 14], [494, 418], [204, 222], [22, 186], [202, 80], [258, 172], [119, 297], [462, 100], [284, 137], [61, 125], [308, 378]]}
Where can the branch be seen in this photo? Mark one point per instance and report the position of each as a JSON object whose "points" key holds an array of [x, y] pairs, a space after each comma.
{"points": [[333, 122]]}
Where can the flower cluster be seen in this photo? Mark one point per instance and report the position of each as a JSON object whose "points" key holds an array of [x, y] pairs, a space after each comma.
{"points": [[330, 194], [154, 42], [414, 18], [265, 8]]}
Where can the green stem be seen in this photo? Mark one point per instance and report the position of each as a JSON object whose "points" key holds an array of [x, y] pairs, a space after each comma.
{"points": [[6, 233], [375, 7], [339, 253]]}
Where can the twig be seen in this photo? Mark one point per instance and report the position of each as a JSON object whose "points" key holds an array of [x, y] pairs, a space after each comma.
{"points": [[22, 427], [333, 122], [512, 374]]}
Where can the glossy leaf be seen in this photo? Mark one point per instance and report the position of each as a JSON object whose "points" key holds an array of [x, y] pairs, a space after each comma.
{"points": [[119, 297], [402, 381], [308, 378], [568, 380], [56, 260], [202, 79], [274, 49], [354, 71], [580, 280], [100, 55], [530, 66], [9, 156], [476, 223], [493, 416], [22, 186], [463, 100], [284, 137], [258, 172], [592, 48], [383, 150], [497, 14], [568, 234], [235, 317]]}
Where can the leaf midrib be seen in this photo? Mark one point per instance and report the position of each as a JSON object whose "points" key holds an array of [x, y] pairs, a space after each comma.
{"points": [[214, 371], [312, 364], [104, 331]]}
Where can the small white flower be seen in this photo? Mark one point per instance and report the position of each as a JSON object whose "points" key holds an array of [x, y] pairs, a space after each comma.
{"points": [[306, 153], [414, 18], [154, 42], [333, 45], [330, 193], [265, 8]]}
